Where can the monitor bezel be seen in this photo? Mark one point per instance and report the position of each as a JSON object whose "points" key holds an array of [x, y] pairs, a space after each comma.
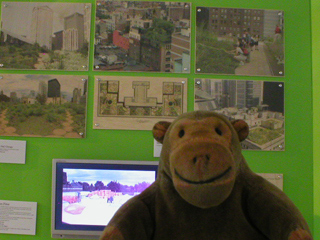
{"points": [[86, 231]]}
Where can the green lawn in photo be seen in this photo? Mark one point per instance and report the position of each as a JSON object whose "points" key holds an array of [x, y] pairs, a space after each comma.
{"points": [[37, 119], [263, 135]]}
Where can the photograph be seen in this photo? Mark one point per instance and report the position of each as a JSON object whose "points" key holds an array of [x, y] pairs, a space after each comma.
{"points": [[91, 197], [142, 36], [43, 105], [137, 103], [45, 35], [238, 41], [259, 103]]}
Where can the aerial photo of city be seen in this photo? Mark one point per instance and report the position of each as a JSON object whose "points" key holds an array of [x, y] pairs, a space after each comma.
{"points": [[142, 36], [43, 105], [45, 35], [259, 103]]}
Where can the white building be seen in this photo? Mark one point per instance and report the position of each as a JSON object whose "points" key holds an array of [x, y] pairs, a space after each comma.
{"points": [[42, 26]]}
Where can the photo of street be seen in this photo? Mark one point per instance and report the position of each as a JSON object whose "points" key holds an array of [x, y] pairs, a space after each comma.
{"points": [[240, 41], [259, 103], [142, 36], [43, 105], [45, 35]]}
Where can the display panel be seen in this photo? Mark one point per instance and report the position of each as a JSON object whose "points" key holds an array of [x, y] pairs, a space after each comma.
{"points": [[142, 36], [239, 41], [43, 105], [45, 35], [259, 103], [87, 193], [137, 103]]}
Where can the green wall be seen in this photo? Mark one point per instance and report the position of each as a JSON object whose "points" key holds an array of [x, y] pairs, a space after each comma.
{"points": [[315, 6], [32, 181]]}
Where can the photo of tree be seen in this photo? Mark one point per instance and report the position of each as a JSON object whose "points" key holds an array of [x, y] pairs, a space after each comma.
{"points": [[142, 36], [43, 105], [239, 41], [259, 103], [45, 35]]}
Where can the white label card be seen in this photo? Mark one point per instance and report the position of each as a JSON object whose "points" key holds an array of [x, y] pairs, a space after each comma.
{"points": [[156, 148], [13, 151], [17, 217]]}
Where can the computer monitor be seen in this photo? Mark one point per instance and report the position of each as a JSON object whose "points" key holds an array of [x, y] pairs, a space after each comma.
{"points": [[87, 193]]}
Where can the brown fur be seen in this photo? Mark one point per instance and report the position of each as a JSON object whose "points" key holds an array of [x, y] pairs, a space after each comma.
{"points": [[205, 190]]}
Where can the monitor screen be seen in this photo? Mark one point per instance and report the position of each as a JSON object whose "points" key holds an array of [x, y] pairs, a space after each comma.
{"points": [[87, 193]]}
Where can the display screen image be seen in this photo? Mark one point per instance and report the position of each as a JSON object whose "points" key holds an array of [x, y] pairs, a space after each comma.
{"points": [[88, 193]]}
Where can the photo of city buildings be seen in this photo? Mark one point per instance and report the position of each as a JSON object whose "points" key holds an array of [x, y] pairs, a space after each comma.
{"points": [[142, 36], [259, 103], [240, 41], [45, 35], [43, 105]]}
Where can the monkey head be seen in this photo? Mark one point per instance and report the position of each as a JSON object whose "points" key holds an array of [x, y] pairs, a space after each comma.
{"points": [[201, 154]]}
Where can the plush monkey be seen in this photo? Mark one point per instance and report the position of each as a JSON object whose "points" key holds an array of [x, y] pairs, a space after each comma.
{"points": [[206, 191]]}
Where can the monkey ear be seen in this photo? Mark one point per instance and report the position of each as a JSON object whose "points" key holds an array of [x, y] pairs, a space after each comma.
{"points": [[241, 128], [159, 130]]}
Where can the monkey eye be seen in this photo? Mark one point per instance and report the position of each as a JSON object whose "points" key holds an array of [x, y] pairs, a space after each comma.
{"points": [[218, 131], [181, 133]]}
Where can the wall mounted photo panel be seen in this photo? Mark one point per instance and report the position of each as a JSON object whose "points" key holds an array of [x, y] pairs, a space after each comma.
{"points": [[142, 36], [137, 103], [45, 35], [238, 41], [43, 105], [259, 103]]}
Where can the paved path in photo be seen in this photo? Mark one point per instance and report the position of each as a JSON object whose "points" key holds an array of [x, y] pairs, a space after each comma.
{"points": [[67, 130], [4, 129], [258, 65]]}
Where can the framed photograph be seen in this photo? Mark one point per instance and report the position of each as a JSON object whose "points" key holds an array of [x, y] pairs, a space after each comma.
{"points": [[259, 103], [45, 35], [238, 41], [43, 105], [137, 103], [142, 36]]}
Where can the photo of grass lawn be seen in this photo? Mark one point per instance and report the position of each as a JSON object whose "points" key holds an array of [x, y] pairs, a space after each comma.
{"points": [[43, 105]]}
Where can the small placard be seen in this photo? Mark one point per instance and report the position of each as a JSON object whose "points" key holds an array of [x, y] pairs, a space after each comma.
{"points": [[17, 217], [275, 178], [12, 151], [156, 148]]}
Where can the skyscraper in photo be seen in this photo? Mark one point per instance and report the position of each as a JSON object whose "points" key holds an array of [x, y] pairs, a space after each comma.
{"points": [[73, 38], [43, 88], [41, 26]]}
